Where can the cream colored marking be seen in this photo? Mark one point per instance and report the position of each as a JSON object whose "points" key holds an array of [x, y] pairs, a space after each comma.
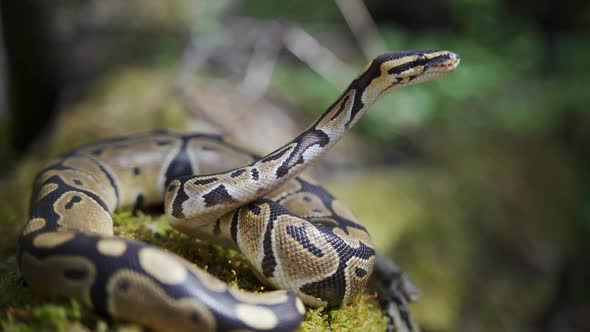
{"points": [[300, 306], [148, 158], [34, 224], [275, 297], [305, 204], [434, 54], [111, 247], [162, 266], [208, 280], [390, 64], [360, 235], [251, 229], [80, 212], [52, 239], [47, 276], [334, 126], [375, 87], [94, 178], [119, 159], [144, 302], [342, 211], [256, 317], [355, 284], [46, 190]]}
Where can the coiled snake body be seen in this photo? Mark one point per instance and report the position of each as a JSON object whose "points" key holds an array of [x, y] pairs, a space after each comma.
{"points": [[296, 236]]}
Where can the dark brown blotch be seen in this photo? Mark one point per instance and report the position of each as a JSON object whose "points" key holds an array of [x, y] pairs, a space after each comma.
{"points": [[237, 173], [254, 208], [172, 187], [75, 199], [303, 142], [217, 196], [361, 273], [201, 182], [255, 174], [180, 198], [269, 262]]}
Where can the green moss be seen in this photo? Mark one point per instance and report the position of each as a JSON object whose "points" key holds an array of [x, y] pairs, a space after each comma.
{"points": [[20, 314], [12, 295], [361, 315]]}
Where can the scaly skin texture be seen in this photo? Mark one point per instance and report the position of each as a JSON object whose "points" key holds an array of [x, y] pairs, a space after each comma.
{"points": [[296, 236]]}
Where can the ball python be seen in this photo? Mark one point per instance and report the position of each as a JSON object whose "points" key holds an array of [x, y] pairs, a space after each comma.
{"points": [[296, 236]]}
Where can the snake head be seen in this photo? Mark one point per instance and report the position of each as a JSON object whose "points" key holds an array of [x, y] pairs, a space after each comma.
{"points": [[411, 67], [403, 68]]}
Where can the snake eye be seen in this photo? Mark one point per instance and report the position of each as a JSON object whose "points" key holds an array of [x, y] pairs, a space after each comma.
{"points": [[421, 60]]}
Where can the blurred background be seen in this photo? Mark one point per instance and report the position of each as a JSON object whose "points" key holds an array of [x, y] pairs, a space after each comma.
{"points": [[477, 184]]}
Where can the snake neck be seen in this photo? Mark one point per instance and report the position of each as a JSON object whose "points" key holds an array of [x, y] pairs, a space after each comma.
{"points": [[199, 200]]}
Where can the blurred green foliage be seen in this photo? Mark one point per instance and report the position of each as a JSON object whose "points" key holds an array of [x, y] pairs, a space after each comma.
{"points": [[507, 80]]}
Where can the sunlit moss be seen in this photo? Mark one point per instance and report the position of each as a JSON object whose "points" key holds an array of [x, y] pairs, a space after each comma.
{"points": [[361, 315]]}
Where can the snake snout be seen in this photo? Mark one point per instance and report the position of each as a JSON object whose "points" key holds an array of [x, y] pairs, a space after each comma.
{"points": [[447, 61]]}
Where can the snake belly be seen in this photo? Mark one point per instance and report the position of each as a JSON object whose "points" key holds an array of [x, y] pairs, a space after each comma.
{"points": [[295, 235]]}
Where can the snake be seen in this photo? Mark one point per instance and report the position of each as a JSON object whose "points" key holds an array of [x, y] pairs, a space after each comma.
{"points": [[296, 236]]}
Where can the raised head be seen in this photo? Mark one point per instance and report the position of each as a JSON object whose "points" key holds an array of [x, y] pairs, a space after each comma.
{"points": [[403, 68]]}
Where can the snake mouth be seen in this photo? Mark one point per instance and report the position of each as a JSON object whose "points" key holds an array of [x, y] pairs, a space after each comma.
{"points": [[439, 65], [447, 62]]}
